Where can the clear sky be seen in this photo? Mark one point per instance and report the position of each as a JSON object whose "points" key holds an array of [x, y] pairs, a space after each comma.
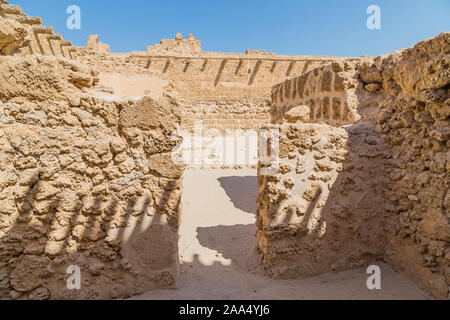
{"points": [[312, 27]]}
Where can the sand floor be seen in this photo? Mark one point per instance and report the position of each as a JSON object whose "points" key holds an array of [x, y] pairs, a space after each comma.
{"points": [[219, 258]]}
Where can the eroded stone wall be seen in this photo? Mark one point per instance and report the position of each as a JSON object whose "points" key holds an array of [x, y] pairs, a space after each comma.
{"points": [[332, 92], [400, 111], [223, 133], [84, 181], [322, 211], [86, 176], [29, 35], [414, 124]]}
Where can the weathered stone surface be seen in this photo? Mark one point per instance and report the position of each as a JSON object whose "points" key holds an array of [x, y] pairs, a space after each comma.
{"points": [[73, 168], [87, 177], [402, 101], [29, 273], [298, 114], [312, 228], [12, 36]]}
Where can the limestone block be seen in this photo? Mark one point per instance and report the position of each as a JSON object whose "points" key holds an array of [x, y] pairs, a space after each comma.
{"points": [[12, 36]]}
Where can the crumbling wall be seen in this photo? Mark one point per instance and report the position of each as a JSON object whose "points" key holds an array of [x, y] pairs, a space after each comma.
{"points": [[178, 45], [85, 181], [322, 210], [97, 46], [400, 109], [225, 75], [29, 35], [414, 123], [222, 133], [332, 92]]}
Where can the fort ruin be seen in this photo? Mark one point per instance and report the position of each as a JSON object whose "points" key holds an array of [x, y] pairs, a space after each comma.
{"points": [[87, 175]]}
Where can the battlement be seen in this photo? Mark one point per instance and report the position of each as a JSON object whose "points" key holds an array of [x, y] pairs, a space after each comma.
{"points": [[97, 46], [30, 36], [177, 45]]}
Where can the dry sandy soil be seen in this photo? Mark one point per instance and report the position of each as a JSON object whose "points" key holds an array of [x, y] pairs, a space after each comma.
{"points": [[219, 258]]}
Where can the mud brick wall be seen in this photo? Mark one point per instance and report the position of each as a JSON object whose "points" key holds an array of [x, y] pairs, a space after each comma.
{"points": [[84, 181], [414, 123], [213, 75], [329, 91], [322, 211], [403, 100], [24, 35]]}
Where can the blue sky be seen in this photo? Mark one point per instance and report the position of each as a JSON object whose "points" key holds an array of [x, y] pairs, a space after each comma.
{"points": [[315, 27]]}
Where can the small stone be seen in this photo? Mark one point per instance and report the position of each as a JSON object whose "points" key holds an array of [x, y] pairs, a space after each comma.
{"points": [[373, 87], [298, 114]]}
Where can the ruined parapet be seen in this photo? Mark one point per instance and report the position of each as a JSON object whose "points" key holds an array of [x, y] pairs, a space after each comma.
{"points": [[177, 46], [319, 210], [259, 52], [37, 39], [13, 36], [333, 93], [97, 46]]}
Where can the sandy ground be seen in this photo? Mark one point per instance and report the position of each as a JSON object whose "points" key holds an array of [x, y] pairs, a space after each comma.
{"points": [[219, 258]]}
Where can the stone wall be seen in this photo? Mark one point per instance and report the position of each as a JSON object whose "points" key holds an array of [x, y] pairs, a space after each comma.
{"points": [[84, 181], [332, 92], [214, 74], [34, 37], [321, 211], [177, 45], [223, 133], [397, 142], [97, 46], [414, 124]]}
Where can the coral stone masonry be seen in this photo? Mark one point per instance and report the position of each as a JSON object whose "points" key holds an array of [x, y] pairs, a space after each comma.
{"points": [[88, 178]]}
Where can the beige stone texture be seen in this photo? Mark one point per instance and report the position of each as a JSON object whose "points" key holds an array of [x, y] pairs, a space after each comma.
{"points": [[321, 212], [395, 110], [84, 181], [87, 176]]}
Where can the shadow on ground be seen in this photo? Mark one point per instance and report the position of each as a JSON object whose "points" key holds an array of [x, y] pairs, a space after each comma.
{"points": [[242, 191], [236, 242]]}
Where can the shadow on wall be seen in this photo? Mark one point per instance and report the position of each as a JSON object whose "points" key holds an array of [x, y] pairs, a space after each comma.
{"points": [[242, 191], [322, 212], [112, 241]]}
